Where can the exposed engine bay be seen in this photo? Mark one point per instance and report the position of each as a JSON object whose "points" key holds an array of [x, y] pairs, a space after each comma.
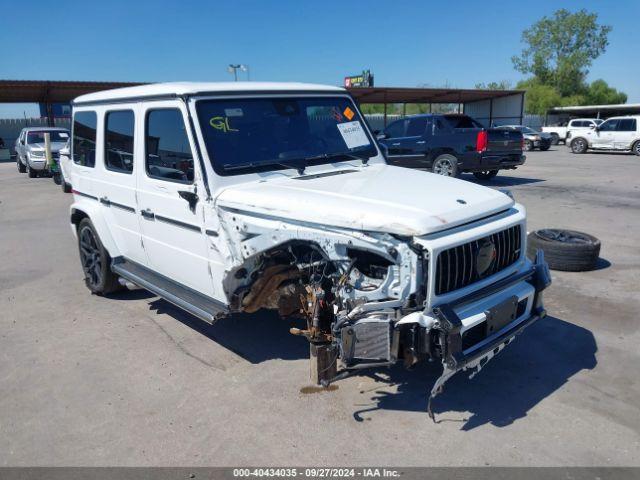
{"points": [[362, 295]]}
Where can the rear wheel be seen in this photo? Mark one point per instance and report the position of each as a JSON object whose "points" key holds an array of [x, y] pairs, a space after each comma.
{"points": [[579, 145], [21, 166], [555, 139], [528, 145], [545, 148], [486, 175], [636, 148], [96, 262], [446, 165]]}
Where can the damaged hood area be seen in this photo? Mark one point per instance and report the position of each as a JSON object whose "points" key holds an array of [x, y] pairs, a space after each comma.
{"points": [[376, 198]]}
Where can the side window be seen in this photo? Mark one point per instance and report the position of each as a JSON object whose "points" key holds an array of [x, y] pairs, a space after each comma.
{"points": [[440, 125], [416, 126], [167, 150], [627, 125], [396, 129], [118, 141], [84, 138]]}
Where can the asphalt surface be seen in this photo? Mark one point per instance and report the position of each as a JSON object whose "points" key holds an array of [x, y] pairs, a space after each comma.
{"points": [[131, 380]]}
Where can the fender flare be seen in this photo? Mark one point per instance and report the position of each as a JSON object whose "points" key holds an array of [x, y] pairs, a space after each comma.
{"points": [[82, 209]]}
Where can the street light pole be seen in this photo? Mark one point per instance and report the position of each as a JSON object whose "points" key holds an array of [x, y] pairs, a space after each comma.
{"points": [[234, 69]]}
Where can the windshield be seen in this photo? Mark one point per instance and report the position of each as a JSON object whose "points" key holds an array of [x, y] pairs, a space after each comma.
{"points": [[54, 136], [260, 134], [528, 130]]}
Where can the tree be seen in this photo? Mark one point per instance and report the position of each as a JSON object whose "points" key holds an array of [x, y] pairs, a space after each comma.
{"points": [[600, 93], [539, 97], [560, 49], [501, 85]]}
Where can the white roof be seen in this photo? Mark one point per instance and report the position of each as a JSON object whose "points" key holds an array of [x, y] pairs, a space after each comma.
{"points": [[192, 88], [619, 106]]}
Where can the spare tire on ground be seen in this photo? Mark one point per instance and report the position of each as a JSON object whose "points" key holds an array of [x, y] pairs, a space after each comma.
{"points": [[565, 250]]}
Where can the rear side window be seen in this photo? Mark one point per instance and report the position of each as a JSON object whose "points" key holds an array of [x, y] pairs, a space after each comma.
{"points": [[84, 138], [168, 153], [118, 141], [416, 126], [461, 121], [627, 125]]}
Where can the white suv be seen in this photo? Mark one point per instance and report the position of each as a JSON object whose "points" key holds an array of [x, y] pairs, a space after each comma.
{"points": [[616, 133], [235, 197]]}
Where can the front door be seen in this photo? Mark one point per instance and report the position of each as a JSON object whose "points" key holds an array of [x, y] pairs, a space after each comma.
{"points": [[171, 199], [602, 137]]}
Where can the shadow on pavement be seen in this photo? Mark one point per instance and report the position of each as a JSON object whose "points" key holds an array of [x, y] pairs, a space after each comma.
{"points": [[255, 337], [538, 363], [502, 180]]}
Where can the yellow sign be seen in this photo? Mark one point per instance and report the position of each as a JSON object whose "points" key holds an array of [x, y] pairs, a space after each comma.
{"points": [[221, 123]]}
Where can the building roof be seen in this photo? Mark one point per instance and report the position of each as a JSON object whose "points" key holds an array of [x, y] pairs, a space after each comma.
{"points": [[426, 95], [196, 88], [45, 91], [590, 108]]}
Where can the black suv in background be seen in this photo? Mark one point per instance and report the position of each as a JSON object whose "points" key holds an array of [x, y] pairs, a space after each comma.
{"points": [[451, 144]]}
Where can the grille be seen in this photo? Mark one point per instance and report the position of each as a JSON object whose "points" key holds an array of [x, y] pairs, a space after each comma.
{"points": [[465, 264]]}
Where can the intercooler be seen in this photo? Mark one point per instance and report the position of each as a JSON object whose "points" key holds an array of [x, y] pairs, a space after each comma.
{"points": [[367, 339]]}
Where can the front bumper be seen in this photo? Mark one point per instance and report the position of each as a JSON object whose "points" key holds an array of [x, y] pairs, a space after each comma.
{"points": [[455, 357]]}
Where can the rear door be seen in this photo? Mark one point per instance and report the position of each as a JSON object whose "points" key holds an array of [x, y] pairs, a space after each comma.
{"points": [[171, 198], [117, 179], [624, 134]]}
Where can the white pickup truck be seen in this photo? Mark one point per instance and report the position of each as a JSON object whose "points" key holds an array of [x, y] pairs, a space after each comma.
{"points": [[561, 133]]}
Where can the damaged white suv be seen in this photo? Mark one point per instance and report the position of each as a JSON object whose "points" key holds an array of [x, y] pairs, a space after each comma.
{"points": [[235, 197]]}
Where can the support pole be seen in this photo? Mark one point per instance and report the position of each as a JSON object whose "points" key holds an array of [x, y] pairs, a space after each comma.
{"points": [[385, 111]]}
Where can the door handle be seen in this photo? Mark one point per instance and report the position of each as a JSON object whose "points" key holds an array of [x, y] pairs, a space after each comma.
{"points": [[190, 197], [147, 213], [395, 144], [105, 201], [421, 142]]}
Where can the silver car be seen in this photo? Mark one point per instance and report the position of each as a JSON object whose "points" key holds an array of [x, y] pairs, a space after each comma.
{"points": [[30, 154], [532, 138]]}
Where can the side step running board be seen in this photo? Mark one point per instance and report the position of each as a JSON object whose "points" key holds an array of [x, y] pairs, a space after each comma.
{"points": [[195, 303]]}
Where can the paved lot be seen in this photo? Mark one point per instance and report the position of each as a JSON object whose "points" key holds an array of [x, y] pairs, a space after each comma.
{"points": [[86, 380]]}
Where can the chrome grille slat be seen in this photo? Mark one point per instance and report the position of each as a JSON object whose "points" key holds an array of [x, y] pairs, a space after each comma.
{"points": [[456, 266]]}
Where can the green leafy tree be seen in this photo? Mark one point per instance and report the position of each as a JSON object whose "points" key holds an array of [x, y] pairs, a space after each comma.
{"points": [[560, 49], [501, 85], [539, 97], [600, 93]]}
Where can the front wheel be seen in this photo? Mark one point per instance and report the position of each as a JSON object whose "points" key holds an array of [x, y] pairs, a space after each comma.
{"points": [[31, 172], [636, 148], [21, 166], [579, 145], [545, 148], [446, 165], [528, 145], [96, 262], [555, 139], [66, 188], [486, 175]]}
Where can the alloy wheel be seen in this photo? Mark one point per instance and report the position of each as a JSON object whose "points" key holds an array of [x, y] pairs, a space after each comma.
{"points": [[90, 257], [443, 167]]}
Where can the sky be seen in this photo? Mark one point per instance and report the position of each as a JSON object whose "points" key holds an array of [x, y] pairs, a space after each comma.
{"points": [[403, 43]]}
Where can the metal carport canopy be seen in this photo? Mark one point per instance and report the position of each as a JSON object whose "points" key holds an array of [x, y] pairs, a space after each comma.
{"points": [[426, 95], [46, 91]]}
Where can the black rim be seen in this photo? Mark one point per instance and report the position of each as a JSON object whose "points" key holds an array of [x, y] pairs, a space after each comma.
{"points": [[90, 257], [563, 236]]}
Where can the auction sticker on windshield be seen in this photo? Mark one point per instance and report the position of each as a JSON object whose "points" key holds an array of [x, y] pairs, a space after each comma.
{"points": [[353, 134]]}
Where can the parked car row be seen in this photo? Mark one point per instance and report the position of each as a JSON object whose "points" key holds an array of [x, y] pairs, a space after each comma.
{"points": [[616, 134], [562, 133]]}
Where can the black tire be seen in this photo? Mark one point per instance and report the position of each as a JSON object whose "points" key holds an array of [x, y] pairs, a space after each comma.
{"points": [[555, 139], [445, 164], [565, 250], [31, 172], [579, 145], [545, 148], [528, 145], [636, 148], [21, 166], [66, 188], [56, 178], [486, 175], [95, 261]]}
